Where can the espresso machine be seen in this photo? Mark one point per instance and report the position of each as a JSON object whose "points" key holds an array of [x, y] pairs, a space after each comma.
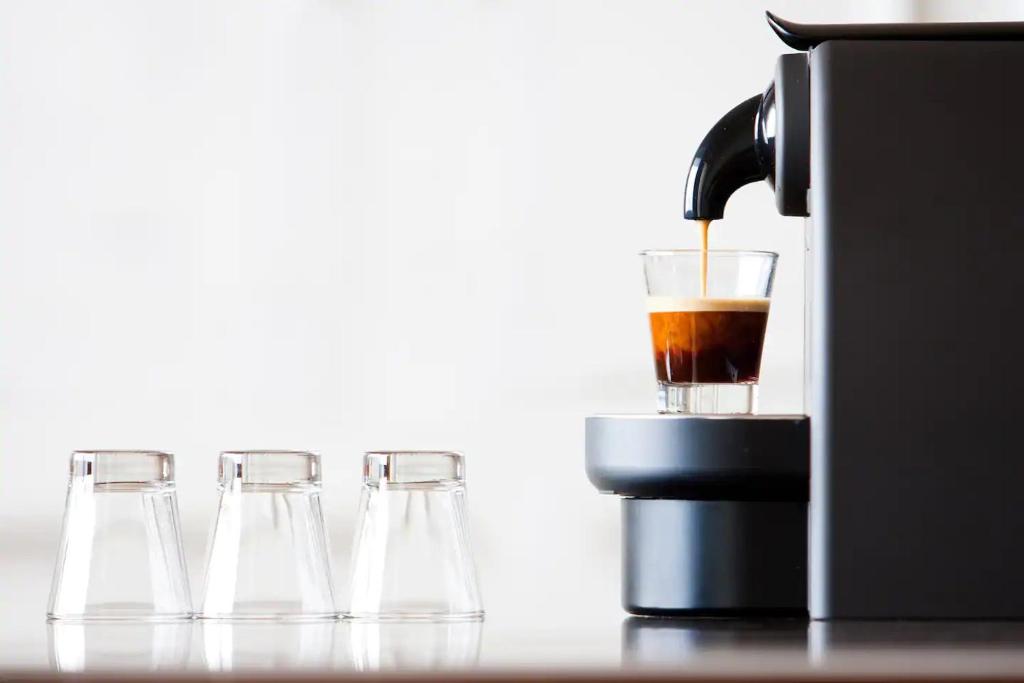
{"points": [[900, 495]]}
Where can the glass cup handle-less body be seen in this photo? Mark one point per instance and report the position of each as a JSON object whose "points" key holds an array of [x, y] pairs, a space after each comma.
{"points": [[708, 312], [268, 558], [121, 556]]}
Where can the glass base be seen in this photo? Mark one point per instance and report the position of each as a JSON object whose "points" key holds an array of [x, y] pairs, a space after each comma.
{"points": [[436, 617], [269, 617], [707, 399], [134, 617]]}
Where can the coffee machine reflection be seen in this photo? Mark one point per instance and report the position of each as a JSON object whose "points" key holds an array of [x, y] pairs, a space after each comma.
{"points": [[901, 144], [657, 642], [837, 639], [77, 647]]}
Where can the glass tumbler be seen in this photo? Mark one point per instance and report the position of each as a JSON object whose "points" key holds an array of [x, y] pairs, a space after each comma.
{"points": [[120, 553], [268, 556], [708, 312], [412, 557]]}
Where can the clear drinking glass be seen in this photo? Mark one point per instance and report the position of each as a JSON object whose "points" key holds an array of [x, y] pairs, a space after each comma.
{"points": [[120, 552], [412, 557], [268, 555], [707, 341]]}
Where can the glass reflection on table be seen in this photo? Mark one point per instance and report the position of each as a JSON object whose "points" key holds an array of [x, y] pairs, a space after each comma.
{"points": [[239, 645], [107, 646], [376, 646]]}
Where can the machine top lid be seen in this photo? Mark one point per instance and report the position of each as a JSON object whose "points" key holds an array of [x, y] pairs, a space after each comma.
{"points": [[806, 36]]}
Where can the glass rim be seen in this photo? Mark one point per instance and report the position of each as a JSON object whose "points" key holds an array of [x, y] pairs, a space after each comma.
{"points": [[710, 252], [275, 452], [268, 470], [122, 469], [119, 452], [403, 468], [414, 452]]}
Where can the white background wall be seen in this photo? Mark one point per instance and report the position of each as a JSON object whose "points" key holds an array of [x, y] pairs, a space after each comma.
{"points": [[340, 225]]}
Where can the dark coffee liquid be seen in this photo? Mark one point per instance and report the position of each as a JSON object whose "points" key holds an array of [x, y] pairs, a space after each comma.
{"points": [[715, 341]]}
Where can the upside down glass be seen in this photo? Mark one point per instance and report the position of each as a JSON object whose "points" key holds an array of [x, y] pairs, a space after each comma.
{"points": [[412, 558], [707, 341], [268, 556], [120, 554]]}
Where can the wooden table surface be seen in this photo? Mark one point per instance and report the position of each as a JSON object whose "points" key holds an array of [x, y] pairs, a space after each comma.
{"points": [[519, 639], [655, 648]]}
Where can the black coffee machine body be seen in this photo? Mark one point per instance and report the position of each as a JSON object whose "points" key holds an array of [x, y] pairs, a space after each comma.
{"points": [[904, 147]]}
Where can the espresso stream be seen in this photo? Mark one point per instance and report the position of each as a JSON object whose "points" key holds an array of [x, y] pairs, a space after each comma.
{"points": [[703, 224]]}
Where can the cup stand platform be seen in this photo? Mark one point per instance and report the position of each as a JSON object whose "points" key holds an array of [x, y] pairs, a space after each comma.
{"points": [[714, 510]]}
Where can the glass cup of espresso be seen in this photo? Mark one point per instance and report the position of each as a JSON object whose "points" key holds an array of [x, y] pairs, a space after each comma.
{"points": [[708, 311]]}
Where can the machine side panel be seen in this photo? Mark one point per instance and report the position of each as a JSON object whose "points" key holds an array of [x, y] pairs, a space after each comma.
{"points": [[917, 330]]}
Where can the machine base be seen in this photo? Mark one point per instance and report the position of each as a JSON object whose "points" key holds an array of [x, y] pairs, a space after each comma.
{"points": [[716, 558]]}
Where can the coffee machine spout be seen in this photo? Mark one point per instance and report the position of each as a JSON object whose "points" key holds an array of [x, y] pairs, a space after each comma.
{"points": [[767, 137], [732, 154]]}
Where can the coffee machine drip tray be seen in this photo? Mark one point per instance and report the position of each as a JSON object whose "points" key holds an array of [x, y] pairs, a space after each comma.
{"points": [[714, 510]]}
